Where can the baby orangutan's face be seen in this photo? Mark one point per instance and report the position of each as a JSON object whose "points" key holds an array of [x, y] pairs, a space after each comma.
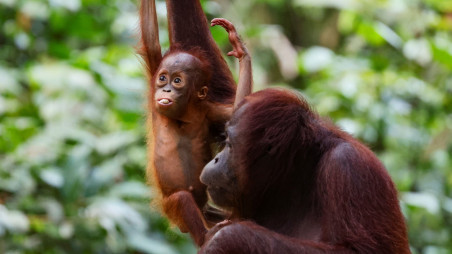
{"points": [[176, 81]]}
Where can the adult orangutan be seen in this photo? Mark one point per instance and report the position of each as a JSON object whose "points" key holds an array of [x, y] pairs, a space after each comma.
{"points": [[297, 184], [191, 97]]}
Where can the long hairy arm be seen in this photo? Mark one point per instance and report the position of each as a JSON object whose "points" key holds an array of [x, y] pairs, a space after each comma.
{"points": [[150, 48]]}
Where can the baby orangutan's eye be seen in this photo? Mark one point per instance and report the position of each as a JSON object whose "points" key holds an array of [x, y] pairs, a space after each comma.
{"points": [[177, 80]]}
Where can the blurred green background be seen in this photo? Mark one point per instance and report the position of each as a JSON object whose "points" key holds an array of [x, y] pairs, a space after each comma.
{"points": [[72, 110]]}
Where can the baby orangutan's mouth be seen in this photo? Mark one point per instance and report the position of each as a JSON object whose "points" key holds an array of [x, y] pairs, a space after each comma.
{"points": [[165, 102]]}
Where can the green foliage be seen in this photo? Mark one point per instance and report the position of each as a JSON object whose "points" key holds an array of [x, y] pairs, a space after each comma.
{"points": [[72, 110], [72, 146]]}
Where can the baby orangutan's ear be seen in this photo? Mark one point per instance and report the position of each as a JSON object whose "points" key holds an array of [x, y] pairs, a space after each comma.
{"points": [[202, 93]]}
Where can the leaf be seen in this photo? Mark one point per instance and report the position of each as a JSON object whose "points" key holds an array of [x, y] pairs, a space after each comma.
{"points": [[148, 245], [443, 56], [52, 176], [427, 201], [368, 31], [13, 221]]}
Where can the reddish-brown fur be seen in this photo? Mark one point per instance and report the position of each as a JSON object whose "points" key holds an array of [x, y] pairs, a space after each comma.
{"points": [[303, 185], [184, 130], [188, 27]]}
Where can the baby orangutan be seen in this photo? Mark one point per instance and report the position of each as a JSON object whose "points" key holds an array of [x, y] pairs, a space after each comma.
{"points": [[188, 109]]}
